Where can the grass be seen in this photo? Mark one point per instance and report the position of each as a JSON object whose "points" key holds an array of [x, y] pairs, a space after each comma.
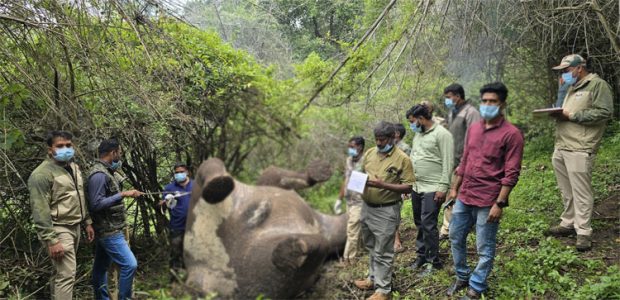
{"points": [[528, 264]]}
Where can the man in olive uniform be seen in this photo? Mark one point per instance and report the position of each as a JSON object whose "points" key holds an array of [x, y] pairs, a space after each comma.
{"points": [[390, 175], [58, 208], [587, 107], [108, 212]]}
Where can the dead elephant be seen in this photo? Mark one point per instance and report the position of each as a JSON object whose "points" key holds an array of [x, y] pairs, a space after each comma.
{"points": [[243, 241]]}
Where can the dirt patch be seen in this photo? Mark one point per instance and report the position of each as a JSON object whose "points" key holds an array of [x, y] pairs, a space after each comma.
{"points": [[606, 235]]}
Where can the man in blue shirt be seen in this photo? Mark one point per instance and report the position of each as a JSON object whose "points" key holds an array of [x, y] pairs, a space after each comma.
{"points": [[107, 210], [180, 189]]}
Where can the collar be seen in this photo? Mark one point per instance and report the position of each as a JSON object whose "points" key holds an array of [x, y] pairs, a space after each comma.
{"points": [[389, 153], [460, 107], [106, 165], [189, 184], [584, 81], [430, 129], [496, 125], [56, 163]]}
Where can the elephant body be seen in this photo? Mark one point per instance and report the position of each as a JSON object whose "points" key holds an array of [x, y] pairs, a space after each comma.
{"points": [[243, 241]]}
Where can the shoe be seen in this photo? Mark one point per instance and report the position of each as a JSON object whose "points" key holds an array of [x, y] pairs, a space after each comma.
{"points": [[456, 287], [379, 296], [471, 294], [419, 262], [584, 243], [364, 284], [430, 269], [560, 231]]}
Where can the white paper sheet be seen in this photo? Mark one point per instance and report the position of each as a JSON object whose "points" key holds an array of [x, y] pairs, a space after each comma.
{"points": [[357, 182]]}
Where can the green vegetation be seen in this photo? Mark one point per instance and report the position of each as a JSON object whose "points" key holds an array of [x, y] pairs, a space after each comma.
{"points": [[238, 80], [528, 265]]}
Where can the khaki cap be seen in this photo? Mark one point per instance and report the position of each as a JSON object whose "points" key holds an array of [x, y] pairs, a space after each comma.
{"points": [[571, 60]]}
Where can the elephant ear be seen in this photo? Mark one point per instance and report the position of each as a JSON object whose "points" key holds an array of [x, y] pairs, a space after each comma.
{"points": [[299, 252], [218, 188], [217, 184]]}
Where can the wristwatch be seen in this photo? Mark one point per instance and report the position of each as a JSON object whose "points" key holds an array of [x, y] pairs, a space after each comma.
{"points": [[501, 203]]}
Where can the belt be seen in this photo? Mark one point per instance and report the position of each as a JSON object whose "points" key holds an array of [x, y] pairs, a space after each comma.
{"points": [[382, 205]]}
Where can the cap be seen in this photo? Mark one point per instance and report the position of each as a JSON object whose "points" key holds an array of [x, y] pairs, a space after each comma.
{"points": [[571, 60]]}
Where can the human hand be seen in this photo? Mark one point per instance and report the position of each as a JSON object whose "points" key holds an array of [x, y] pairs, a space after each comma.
{"points": [[452, 195], [564, 115], [90, 233], [132, 193], [377, 183], [439, 198], [338, 207], [495, 214], [56, 251]]}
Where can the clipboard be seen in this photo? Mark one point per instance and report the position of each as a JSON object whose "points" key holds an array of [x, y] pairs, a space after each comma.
{"points": [[547, 111]]}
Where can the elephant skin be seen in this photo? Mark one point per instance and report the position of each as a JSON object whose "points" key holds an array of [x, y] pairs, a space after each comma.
{"points": [[243, 241], [317, 171]]}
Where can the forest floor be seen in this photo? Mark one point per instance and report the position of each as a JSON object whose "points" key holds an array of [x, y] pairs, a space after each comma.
{"points": [[337, 282]]}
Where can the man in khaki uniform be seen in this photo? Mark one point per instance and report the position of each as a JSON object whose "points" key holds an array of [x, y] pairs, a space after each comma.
{"points": [[390, 174], [58, 208], [587, 107], [354, 200]]}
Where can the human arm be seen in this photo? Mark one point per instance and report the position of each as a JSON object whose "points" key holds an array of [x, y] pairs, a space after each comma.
{"points": [[601, 109], [446, 149], [406, 180], [394, 187], [341, 192], [460, 170], [39, 187], [512, 169], [97, 193], [502, 200]]}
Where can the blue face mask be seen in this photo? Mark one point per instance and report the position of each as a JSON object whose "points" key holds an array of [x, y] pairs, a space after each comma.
{"points": [[415, 127], [64, 154], [352, 152], [449, 103], [385, 148], [180, 177], [116, 164], [489, 112], [569, 78]]}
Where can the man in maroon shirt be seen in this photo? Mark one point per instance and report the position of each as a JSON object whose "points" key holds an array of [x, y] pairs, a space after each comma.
{"points": [[487, 173]]}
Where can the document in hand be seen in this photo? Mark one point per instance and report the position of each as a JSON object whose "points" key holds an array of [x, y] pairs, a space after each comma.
{"points": [[547, 111], [357, 182]]}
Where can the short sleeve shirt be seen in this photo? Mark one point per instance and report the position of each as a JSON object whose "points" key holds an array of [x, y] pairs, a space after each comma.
{"points": [[395, 167]]}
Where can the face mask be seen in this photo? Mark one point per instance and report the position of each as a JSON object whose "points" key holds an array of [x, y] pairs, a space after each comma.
{"points": [[116, 164], [352, 152], [64, 154], [489, 112], [569, 78], [415, 127], [180, 177], [449, 103], [385, 148]]}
